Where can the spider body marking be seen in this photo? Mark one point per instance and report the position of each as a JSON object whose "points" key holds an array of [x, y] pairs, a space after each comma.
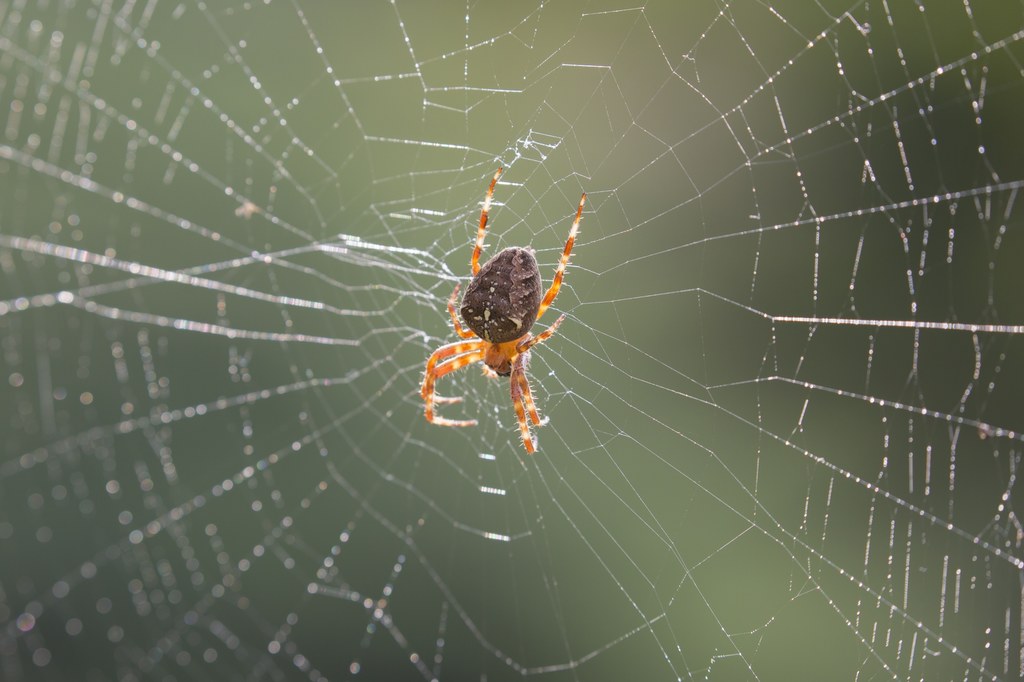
{"points": [[502, 301], [500, 306]]}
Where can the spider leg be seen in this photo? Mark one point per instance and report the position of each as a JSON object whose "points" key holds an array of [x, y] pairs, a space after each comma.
{"points": [[463, 333], [522, 401], [439, 370], [446, 351], [519, 377], [524, 427], [522, 398], [442, 369], [560, 272], [540, 338], [475, 262]]}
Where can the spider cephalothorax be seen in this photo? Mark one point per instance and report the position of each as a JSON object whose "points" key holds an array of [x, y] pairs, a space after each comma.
{"points": [[500, 306]]}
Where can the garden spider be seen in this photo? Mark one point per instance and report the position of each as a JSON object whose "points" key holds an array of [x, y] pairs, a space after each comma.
{"points": [[501, 304]]}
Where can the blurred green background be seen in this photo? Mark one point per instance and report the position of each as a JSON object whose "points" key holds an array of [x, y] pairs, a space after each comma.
{"points": [[784, 409]]}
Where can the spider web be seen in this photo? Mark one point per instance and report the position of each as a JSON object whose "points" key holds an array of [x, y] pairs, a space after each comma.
{"points": [[784, 408]]}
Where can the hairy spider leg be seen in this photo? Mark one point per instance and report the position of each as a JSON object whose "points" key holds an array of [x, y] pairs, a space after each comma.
{"points": [[446, 351], [475, 261], [450, 365], [532, 341], [519, 402], [519, 378], [522, 397], [560, 272], [463, 333], [444, 368]]}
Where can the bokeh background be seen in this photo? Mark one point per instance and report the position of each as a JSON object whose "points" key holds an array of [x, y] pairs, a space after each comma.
{"points": [[785, 408]]}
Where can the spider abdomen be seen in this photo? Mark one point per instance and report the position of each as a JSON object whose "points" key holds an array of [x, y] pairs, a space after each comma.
{"points": [[502, 301]]}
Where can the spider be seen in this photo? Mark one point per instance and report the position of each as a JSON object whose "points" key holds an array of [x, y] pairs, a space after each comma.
{"points": [[500, 306]]}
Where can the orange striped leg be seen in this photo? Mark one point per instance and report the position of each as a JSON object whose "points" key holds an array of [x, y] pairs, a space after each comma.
{"points": [[519, 402], [540, 338], [475, 261], [524, 428], [447, 351], [439, 371], [524, 388], [463, 333], [560, 272]]}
